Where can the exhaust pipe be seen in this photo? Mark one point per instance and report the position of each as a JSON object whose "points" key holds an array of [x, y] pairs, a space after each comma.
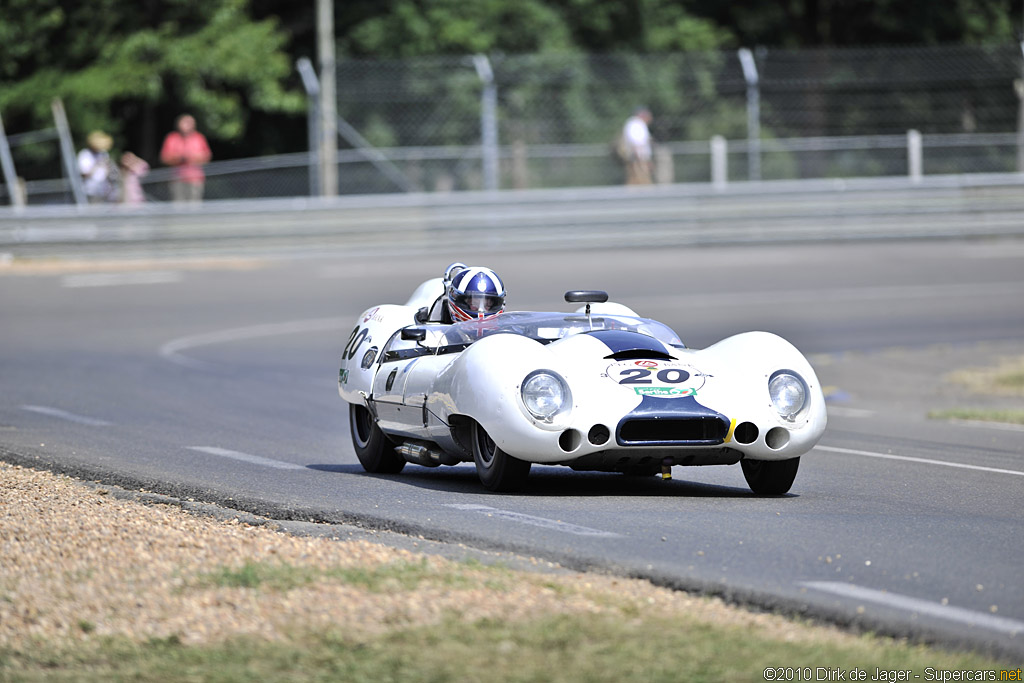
{"points": [[419, 454]]}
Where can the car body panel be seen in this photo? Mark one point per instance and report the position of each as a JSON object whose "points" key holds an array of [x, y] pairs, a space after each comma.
{"points": [[639, 397]]}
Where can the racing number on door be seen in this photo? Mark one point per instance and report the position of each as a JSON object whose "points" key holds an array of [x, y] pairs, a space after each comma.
{"points": [[666, 376], [355, 339]]}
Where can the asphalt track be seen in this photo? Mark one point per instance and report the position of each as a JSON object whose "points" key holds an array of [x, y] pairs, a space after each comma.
{"points": [[216, 381]]}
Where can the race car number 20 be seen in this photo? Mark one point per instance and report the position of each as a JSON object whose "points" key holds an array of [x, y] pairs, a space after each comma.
{"points": [[357, 337], [665, 379]]}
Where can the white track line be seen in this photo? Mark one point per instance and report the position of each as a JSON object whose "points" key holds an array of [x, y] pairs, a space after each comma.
{"points": [[246, 457], [541, 522], [925, 461], [64, 415], [149, 277], [172, 350], [933, 609]]}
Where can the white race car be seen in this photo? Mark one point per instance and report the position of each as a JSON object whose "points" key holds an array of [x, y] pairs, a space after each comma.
{"points": [[596, 389]]}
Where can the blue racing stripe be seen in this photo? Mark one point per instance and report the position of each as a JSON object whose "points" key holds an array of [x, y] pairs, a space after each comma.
{"points": [[621, 341]]}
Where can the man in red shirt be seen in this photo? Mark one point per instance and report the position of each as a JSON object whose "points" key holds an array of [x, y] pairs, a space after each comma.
{"points": [[186, 149]]}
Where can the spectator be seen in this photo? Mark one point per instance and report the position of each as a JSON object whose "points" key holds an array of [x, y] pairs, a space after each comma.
{"points": [[98, 172], [133, 169], [186, 149], [636, 144]]}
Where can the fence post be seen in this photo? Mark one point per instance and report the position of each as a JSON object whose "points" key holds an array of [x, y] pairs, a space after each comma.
{"points": [[520, 174], [10, 178], [67, 151], [1018, 86], [753, 114], [719, 162], [914, 155], [312, 87], [664, 166], [328, 98], [488, 121]]}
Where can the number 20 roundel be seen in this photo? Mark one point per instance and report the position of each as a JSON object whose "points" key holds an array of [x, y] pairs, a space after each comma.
{"points": [[663, 379]]}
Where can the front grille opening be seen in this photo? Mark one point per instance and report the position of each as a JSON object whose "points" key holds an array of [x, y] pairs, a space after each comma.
{"points": [[672, 430]]}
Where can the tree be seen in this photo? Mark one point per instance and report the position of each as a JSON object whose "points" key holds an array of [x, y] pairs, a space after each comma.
{"points": [[406, 28], [812, 23], [129, 67]]}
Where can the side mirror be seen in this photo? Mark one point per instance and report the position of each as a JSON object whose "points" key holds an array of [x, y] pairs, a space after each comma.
{"points": [[589, 296], [416, 334]]}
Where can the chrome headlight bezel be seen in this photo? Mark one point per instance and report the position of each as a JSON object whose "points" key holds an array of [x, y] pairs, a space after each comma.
{"points": [[789, 394], [545, 395]]}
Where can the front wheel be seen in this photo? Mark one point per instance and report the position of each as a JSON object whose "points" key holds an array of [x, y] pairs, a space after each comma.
{"points": [[376, 454], [498, 471], [770, 477]]}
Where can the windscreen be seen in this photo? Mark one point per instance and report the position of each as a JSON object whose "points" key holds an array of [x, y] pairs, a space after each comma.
{"points": [[549, 327]]}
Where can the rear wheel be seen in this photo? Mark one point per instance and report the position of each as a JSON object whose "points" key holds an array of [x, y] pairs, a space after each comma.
{"points": [[770, 477], [375, 452], [498, 471]]}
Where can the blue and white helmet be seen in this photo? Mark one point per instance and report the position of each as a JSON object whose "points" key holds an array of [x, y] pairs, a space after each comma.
{"points": [[476, 294]]}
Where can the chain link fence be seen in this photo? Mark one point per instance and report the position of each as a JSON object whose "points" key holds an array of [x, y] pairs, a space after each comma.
{"points": [[821, 113], [828, 113]]}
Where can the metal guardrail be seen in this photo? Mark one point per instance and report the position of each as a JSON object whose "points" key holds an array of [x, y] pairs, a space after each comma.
{"points": [[876, 208], [459, 168]]}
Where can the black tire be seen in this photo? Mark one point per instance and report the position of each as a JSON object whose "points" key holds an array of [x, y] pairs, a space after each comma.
{"points": [[375, 452], [498, 471], [770, 477]]}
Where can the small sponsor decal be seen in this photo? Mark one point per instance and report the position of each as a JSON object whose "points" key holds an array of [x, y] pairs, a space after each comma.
{"points": [[343, 376], [372, 315], [646, 363], [667, 392]]}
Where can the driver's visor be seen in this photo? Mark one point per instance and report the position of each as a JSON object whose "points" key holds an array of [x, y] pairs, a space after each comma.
{"points": [[479, 303]]}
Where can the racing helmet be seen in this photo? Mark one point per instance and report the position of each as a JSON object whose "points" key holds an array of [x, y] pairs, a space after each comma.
{"points": [[476, 294]]}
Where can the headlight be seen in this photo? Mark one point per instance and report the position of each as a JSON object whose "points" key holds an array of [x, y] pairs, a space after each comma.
{"points": [[788, 393], [545, 394]]}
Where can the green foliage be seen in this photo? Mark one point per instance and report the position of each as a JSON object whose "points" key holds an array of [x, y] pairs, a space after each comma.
{"points": [[211, 59], [405, 28], [806, 23], [403, 576], [130, 66], [980, 414]]}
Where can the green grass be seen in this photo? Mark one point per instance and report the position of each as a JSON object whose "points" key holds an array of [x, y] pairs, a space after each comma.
{"points": [[397, 576], [556, 649], [1013, 381], [1006, 378], [1006, 416]]}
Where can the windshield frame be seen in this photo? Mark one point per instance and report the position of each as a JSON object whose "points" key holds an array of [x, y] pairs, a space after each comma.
{"points": [[541, 327]]}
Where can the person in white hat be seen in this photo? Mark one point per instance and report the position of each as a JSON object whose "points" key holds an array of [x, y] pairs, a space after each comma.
{"points": [[98, 172]]}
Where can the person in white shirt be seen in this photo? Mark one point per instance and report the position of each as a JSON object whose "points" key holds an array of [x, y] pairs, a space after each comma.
{"points": [[98, 172], [636, 138]]}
